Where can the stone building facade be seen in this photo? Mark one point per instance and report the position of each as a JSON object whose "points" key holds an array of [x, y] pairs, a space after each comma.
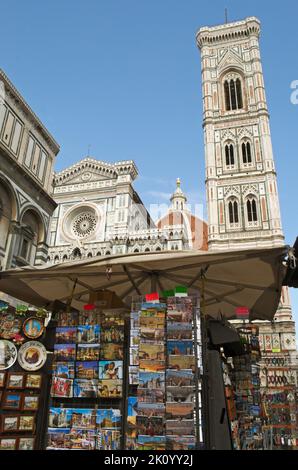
{"points": [[99, 213], [27, 157], [241, 182]]}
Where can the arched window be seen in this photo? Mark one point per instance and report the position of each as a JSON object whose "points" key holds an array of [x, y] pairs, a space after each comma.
{"points": [[233, 212], [77, 253], [147, 249], [158, 248], [89, 255], [246, 152], [108, 253], [56, 259], [64, 258], [136, 251], [230, 154], [98, 253], [233, 94], [252, 213]]}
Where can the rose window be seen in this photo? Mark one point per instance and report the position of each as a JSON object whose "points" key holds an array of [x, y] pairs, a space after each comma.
{"points": [[84, 225]]}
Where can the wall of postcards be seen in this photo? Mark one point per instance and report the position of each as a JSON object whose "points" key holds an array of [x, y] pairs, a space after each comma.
{"points": [[87, 381], [23, 378], [242, 389], [164, 406]]}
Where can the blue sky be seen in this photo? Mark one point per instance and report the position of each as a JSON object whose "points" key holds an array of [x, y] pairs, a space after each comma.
{"points": [[123, 76]]}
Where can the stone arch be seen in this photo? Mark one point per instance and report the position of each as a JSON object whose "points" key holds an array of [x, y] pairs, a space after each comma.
{"points": [[8, 210]]}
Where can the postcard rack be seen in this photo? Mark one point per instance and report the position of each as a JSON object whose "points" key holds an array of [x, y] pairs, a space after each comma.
{"points": [[164, 406]]}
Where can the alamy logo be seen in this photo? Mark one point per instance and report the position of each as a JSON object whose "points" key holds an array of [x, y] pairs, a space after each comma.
{"points": [[294, 94]]}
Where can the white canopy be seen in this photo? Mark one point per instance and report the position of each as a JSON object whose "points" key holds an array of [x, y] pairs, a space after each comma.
{"points": [[245, 278]]}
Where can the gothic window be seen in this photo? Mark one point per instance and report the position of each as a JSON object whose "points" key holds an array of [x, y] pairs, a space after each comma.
{"points": [[252, 213], [136, 251], [230, 155], [77, 253], [98, 253], [64, 258], [233, 212], [233, 94], [89, 255], [246, 153]]}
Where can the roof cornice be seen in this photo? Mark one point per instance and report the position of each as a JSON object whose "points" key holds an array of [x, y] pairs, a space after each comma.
{"points": [[28, 110]]}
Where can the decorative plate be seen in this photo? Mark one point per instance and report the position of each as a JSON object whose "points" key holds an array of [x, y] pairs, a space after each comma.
{"points": [[32, 355], [33, 327], [9, 325], [8, 354]]}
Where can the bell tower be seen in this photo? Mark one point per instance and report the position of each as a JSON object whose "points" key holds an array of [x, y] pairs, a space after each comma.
{"points": [[242, 195]]}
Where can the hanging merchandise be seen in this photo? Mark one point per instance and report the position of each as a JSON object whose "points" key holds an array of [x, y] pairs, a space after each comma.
{"points": [[23, 394], [87, 381]]}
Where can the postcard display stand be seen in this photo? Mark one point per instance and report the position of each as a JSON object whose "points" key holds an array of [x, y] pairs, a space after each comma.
{"points": [[23, 376], [87, 381], [242, 390], [164, 403]]}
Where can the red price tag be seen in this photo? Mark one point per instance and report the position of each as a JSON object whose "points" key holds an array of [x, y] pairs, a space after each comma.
{"points": [[154, 297], [242, 312]]}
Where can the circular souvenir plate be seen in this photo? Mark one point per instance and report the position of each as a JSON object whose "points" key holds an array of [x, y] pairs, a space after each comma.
{"points": [[33, 327], [9, 326], [8, 354], [32, 355]]}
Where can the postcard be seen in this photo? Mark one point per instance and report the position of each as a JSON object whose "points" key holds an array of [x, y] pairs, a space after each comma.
{"points": [[152, 380], [180, 316], [179, 410], [180, 348], [149, 365], [83, 418], [152, 334], [64, 370], [179, 331], [108, 419], [64, 352], [85, 388], [108, 439], [110, 351], [134, 320], [180, 427], [150, 396], [82, 439], [152, 322], [89, 317], [109, 321], [110, 370], [132, 406], [112, 334], [182, 362], [134, 337], [87, 370], [58, 438], [67, 318], [66, 335], [154, 426], [180, 394], [131, 430], [62, 388], [88, 352], [154, 352], [88, 334], [134, 356], [153, 310], [60, 417], [110, 388], [180, 378], [131, 443], [151, 442], [181, 443], [151, 409], [133, 375]]}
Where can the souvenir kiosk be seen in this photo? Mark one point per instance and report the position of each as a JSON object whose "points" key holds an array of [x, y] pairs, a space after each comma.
{"points": [[117, 352]]}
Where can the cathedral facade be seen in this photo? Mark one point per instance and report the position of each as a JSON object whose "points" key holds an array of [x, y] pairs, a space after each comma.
{"points": [[99, 213]]}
